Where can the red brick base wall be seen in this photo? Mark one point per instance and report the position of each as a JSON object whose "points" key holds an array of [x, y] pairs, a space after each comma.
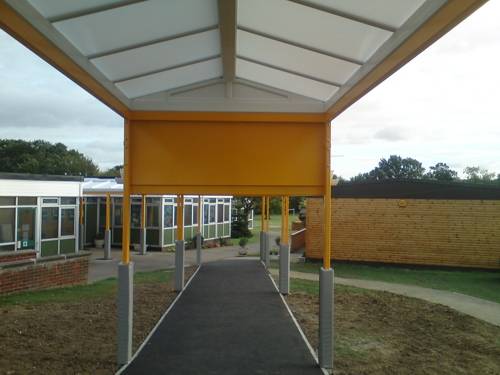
{"points": [[13, 256], [298, 240], [45, 274]]}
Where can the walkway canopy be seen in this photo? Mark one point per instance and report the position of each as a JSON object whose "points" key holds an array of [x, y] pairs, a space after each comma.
{"points": [[259, 81]]}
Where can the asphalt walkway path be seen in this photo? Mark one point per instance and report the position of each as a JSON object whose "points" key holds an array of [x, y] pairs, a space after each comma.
{"points": [[478, 308], [229, 320]]}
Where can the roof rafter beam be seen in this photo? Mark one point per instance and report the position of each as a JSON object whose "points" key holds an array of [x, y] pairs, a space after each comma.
{"points": [[351, 17], [300, 45], [151, 42], [227, 26], [93, 10], [303, 75], [197, 61]]}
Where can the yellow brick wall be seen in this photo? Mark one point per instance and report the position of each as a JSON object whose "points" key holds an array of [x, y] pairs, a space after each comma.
{"points": [[462, 233]]}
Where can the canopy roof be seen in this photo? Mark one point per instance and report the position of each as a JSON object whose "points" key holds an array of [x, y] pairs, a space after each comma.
{"points": [[311, 56]]}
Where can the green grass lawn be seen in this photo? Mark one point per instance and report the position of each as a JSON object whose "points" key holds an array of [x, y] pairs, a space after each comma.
{"points": [[274, 226], [481, 284], [78, 292]]}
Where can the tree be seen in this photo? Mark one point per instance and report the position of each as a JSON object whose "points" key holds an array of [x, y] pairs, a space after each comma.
{"points": [[478, 174], [113, 172], [442, 172], [394, 168], [43, 157], [242, 208]]}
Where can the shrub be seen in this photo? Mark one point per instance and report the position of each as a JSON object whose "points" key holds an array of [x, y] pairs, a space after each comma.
{"points": [[243, 242]]}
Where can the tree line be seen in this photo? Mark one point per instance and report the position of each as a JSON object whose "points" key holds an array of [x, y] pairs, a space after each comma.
{"points": [[397, 168], [42, 157]]}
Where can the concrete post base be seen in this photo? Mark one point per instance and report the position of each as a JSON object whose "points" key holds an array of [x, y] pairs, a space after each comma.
{"points": [[284, 273], [198, 249], [262, 244], [326, 314], [267, 249], [107, 244], [81, 237], [144, 246], [179, 265], [125, 311]]}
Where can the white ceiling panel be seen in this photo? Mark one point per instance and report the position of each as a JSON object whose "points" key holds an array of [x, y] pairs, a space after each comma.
{"points": [[58, 8], [293, 58], [311, 27], [392, 13], [171, 79], [137, 23], [283, 81], [159, 56]]}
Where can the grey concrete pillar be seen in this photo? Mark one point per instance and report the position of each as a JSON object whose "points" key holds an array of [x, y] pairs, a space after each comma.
{"points": [[81, 237], [267, 249], [198, 249], [107, 244], [284, 274], [125, 311], [262, 244], [144, 245], [326, 314], [179, 265]]}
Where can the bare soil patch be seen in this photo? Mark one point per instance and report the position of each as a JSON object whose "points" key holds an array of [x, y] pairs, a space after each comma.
{"points": [[384, 333], [77, 337]]}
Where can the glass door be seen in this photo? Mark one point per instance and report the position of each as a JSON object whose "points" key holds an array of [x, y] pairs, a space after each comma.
{"points": [[26, 228]]}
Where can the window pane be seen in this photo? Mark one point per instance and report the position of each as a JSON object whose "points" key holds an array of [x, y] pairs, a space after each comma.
{"points": [[175, 216], [26, 201], [68, 222], [135, 214], [118, 200], [220, 212], [50, 220], [68, 200], [212, 213], [102, 214], [50, 201], [7, 224], [7, 247], [152, 219], [205, 213], [91, 199], [168, 216], [7, 201], [188, 212], [118, 216], [195, 214], [26, 227], [153, 200], [226, 212]]}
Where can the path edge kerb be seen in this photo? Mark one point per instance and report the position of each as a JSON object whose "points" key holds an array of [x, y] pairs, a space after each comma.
{"points": [[297, 325], [153, 330]]}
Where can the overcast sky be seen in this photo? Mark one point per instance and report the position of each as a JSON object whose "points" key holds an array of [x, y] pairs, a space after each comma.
{"points": [[444, 106]]}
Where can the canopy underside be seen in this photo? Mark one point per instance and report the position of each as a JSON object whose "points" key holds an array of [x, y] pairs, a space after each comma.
{"points": [[231, 55]]}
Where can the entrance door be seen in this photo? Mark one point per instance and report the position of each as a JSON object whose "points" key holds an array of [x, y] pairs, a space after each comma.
{"points": [[26, 217]]}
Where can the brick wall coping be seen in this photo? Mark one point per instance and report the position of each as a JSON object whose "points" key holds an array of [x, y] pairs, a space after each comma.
{"points": [[49, 259]]}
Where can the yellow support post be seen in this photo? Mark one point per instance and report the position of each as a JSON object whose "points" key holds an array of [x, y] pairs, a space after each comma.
{"points": [[126, 196], [180, 217], [327, 208], [108, 211], [284, 220]]}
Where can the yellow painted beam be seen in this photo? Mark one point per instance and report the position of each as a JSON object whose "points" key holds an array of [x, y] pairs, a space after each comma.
{"points": [[327, 199], [108, 211], [180, 217], [284, 220], [219, 117], [126, 195]]}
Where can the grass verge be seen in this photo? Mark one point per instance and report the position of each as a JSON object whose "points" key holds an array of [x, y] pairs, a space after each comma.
{"points": [[480, 284]]}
